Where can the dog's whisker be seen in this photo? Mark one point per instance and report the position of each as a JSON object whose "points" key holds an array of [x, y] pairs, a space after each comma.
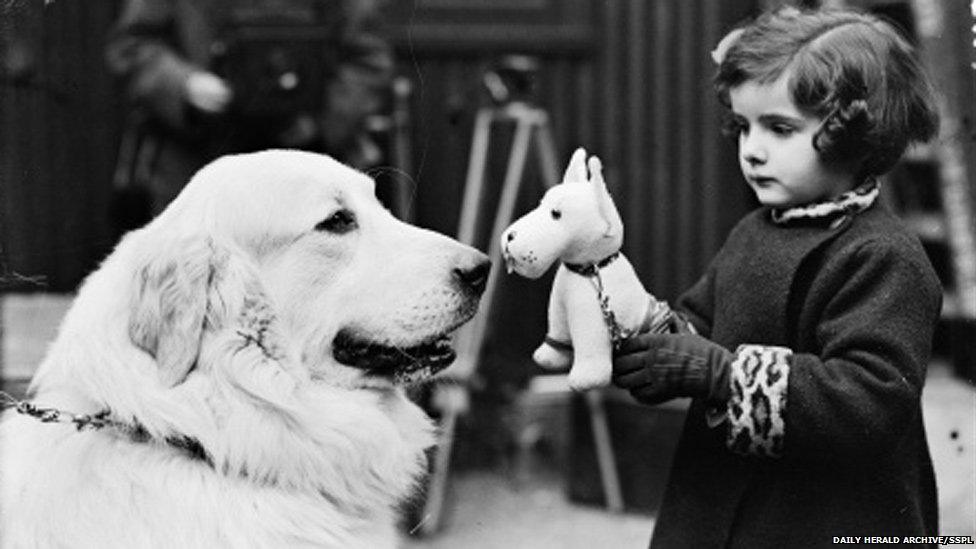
{"points": [[380, 170], [401, 177]]}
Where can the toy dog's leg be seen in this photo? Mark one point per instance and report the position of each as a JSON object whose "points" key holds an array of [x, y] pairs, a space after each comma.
{"points": [[547, 355], [592, 352]]}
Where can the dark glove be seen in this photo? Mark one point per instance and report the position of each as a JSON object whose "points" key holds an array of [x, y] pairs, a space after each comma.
{"points": [[659, 367]]}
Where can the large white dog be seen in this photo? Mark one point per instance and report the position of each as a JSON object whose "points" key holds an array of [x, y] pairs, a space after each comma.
{"points": [[246, 351]]}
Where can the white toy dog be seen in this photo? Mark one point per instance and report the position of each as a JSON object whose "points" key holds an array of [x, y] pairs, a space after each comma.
{"points": [[596, 299]]}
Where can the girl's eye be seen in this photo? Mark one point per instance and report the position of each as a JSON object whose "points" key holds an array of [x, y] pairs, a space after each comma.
{"points": [[340, 222], [556, 214], [783, 129]]}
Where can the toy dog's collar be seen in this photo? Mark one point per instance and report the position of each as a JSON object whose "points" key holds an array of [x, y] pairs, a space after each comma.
{"points": [[590, 269]]}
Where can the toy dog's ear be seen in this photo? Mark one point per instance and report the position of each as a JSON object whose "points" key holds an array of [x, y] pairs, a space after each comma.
{"points": [[576, 171], [608, 212]]}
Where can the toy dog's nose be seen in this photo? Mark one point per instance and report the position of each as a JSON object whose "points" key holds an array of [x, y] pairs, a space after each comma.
{"points": [[510, 236]]}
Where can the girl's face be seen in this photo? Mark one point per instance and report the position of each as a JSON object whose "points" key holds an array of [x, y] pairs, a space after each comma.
{"points": [[776, 151]]}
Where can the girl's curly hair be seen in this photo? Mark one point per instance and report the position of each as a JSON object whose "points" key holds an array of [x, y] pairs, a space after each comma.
{"points": [[851, 69]]}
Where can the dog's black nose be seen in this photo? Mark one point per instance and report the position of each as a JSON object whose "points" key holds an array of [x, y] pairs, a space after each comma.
{"points": [[510, 236], [474, 277]]}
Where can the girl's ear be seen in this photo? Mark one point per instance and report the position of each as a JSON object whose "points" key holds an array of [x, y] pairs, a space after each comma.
{"points": [[576, 171], [608, 212], [844, 133]]}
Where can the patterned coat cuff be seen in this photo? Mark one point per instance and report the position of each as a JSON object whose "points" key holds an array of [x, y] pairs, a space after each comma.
{"points": [[757, 408]]}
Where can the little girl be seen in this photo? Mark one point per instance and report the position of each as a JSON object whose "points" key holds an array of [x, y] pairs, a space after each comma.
{"points": [[806, 341]]}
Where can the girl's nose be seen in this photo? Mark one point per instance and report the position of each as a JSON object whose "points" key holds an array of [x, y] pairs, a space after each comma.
{"points": [[751, 150]]}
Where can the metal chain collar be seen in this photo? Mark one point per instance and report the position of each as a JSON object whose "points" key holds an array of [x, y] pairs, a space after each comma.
{"points": [[618, 334], [656, 319], [186, 444], [53, 415]]}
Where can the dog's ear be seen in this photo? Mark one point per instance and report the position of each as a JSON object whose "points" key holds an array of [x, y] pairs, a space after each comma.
{"points": [[576, 170], [169, 303], [608, 212], [186, 285]]}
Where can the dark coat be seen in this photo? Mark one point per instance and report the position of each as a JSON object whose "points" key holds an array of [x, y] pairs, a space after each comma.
{"points": [[856, 301], [156, 44]]}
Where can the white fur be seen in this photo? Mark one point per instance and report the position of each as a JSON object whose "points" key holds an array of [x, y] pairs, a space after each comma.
{"points": [[577, 222], [216, 322]]}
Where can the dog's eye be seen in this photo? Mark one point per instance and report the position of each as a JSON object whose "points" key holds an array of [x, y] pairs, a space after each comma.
{"points": [[340, 222], [556, 214]]}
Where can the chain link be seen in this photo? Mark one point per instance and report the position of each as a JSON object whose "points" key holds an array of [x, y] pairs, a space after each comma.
{"points": [[53, 415], [617, 332], [658, 312]]}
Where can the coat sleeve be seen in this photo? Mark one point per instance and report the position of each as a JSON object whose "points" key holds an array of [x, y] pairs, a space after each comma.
{"points": [[855, 398], [141, 51], [365, 66]]}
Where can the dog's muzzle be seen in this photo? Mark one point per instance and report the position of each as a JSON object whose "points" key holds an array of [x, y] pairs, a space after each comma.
{"points": [[406, 363], [403, 365]]}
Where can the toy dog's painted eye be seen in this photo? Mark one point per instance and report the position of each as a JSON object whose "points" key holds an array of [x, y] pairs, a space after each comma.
{"points": [[556, 214]]}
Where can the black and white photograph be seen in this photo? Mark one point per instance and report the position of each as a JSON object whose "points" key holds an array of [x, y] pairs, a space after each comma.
{"points": [[479, 274]]}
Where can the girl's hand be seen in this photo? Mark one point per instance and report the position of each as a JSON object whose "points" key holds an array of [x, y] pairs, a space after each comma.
{"points": [[659, 367]]}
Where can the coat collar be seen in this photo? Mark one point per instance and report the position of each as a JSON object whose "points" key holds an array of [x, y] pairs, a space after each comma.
{"points": [[849, 203]]}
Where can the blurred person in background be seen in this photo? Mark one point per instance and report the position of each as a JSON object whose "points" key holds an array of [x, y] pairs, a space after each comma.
{"points": [[203, 78]]}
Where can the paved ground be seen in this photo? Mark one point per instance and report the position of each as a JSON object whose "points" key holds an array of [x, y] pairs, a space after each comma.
{"points": [[489, 509], [949, 406]]}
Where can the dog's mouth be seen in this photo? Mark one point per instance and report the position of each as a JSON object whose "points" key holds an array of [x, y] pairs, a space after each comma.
{"points": [[402, 365], [529, 264], [510, 261]]}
